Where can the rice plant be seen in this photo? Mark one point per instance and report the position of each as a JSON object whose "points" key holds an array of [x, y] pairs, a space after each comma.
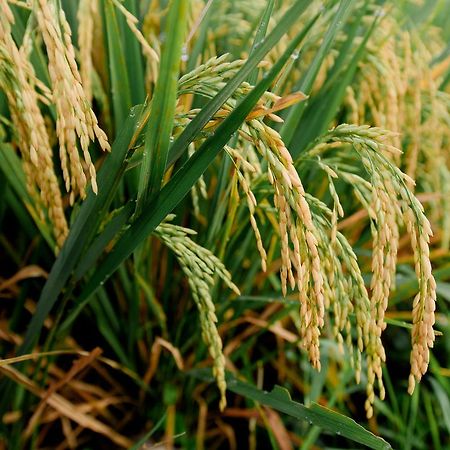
{"points": [[224, 224]]}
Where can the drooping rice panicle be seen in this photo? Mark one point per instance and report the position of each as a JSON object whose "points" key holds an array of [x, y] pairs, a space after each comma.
{"points": [[200, 266], [87, 10], [75, 118], [131, 20], [397, 89], [18, 81], [304, 266], [392, 204]]}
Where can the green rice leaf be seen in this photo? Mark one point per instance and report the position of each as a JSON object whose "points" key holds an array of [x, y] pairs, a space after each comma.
{"points": [[259, 37], [294, 117], [323, 108], [159, 126], [120, 83], [327, 419]]}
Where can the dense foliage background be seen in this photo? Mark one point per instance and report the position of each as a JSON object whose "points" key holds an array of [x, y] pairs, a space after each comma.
{"points": [[125, 125]]}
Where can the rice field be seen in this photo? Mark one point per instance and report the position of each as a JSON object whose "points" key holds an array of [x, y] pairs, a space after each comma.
{"points": [[224, 224]]}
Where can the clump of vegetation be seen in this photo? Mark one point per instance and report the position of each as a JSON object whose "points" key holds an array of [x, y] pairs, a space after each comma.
{"points": [[265, 183]]}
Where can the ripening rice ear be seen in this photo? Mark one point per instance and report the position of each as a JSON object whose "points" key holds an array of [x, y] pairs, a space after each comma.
{"points": [[76, 123], [18, 82], [200, 266]]}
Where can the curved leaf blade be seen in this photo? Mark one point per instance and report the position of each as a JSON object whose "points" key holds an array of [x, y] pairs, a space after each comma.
{"points": [[316, 414]]}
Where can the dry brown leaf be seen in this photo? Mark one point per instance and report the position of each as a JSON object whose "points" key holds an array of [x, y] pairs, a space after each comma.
{"points": [[77, 367], [155, 353], [249, 331], [280, 104], [11, 417], [276, 329], [31, 271], [67, 408], [278, 429], [68, 433]]}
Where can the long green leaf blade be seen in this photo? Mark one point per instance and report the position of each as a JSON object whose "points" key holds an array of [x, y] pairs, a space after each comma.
{"points": [[159, 127], [84, 228], [259, 37], [294, 117], [316, 414], [325, 418], [323, 108], [133, 56], [120, 83]]}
